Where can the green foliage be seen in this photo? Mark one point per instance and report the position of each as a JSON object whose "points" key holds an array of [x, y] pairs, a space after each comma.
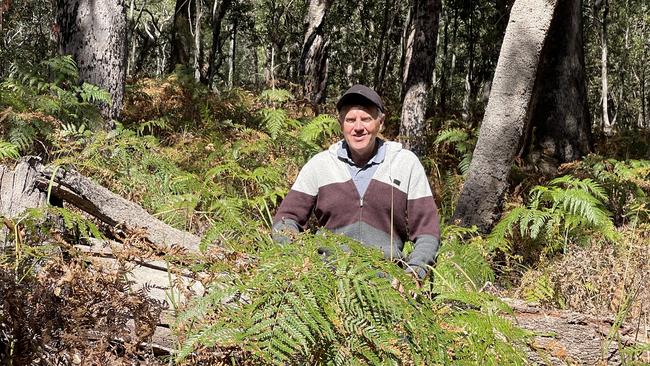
{"points": [[8, 150], [319, 129], [39, 102], [626, 184], [462, 142], [300, 307], [567, 209], [276, 96]]}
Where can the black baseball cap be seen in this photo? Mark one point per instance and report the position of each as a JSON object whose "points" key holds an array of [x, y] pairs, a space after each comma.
{"points": [[361, 95]]}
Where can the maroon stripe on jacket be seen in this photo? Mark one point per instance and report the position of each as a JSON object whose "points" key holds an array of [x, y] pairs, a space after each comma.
{"points": [[423, 217], [337, 205], [377, 208], [295, 206]]}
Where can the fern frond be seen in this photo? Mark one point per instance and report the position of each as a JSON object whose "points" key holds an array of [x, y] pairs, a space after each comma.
{"points": [[9, 150], [320, 128], [274, 120], [276, 95], [451, 135]]}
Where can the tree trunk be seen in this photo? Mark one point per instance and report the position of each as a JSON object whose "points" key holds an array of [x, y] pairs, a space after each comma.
{"points": [[506, 115], [381, 41], [197, 41], [419, 72], [607, 125], [560, 114], [313, 60], [233, 54], [94, 33], [444, 73], [218, 12], [181, 34]]}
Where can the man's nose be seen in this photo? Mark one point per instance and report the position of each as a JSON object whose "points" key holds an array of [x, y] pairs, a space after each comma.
{"points": [[358, 125]]}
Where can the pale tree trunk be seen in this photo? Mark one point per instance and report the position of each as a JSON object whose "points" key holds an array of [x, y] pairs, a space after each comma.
{"points": [[419, 72], [560, 112], [233, 54], [507, 114], [218, 12], [607, 125], [94, 33], [313, 60], [197, 41]]}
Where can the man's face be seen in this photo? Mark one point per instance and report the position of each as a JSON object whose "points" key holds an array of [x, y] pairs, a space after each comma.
{"points": [[360, 126]]}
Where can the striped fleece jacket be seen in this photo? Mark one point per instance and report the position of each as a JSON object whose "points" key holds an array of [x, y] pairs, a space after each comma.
{"points": [[324, 186]]}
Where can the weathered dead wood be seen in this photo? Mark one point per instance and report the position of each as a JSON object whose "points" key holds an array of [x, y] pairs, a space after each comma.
{"points": [[112, 209], [17, 191], [26, 186], [160, 282], [564, 337]]}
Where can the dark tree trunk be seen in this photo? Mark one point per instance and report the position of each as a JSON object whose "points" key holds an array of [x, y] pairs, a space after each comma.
{"points": [[218, 12], [381, 42], [444, 73], [94, 33], [313, 60], [507, 114], [560, 114], [182, 39], [419, 71]]}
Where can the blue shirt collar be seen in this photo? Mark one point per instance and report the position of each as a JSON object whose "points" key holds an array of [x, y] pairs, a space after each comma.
{"points": [[380, 153]]}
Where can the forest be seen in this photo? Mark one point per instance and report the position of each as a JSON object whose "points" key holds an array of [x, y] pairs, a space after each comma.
{"points": [[146, 145]]}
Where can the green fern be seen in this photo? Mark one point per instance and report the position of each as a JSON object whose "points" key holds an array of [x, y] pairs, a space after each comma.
{"points": [[276, 121], [299, 308], [462, 142], [276, 95], [9, 150], [568, 209], [319, 129]]}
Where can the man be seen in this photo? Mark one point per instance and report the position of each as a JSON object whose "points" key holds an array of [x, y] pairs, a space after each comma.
{"points": [[367, 188]]}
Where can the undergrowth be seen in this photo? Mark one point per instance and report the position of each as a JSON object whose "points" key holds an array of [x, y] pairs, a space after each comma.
{"points": [[218, 164]]}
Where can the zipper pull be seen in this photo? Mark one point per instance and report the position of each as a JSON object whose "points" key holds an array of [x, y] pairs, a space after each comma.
{"points": [[361, 202]]}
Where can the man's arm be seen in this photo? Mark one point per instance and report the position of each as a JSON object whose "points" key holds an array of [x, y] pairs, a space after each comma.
{"points": [[295, 209], [423, 222]]}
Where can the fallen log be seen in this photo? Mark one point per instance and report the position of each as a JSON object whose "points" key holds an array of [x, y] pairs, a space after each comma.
{"points": [[564, 337], [29, 185], [111, 208]]}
